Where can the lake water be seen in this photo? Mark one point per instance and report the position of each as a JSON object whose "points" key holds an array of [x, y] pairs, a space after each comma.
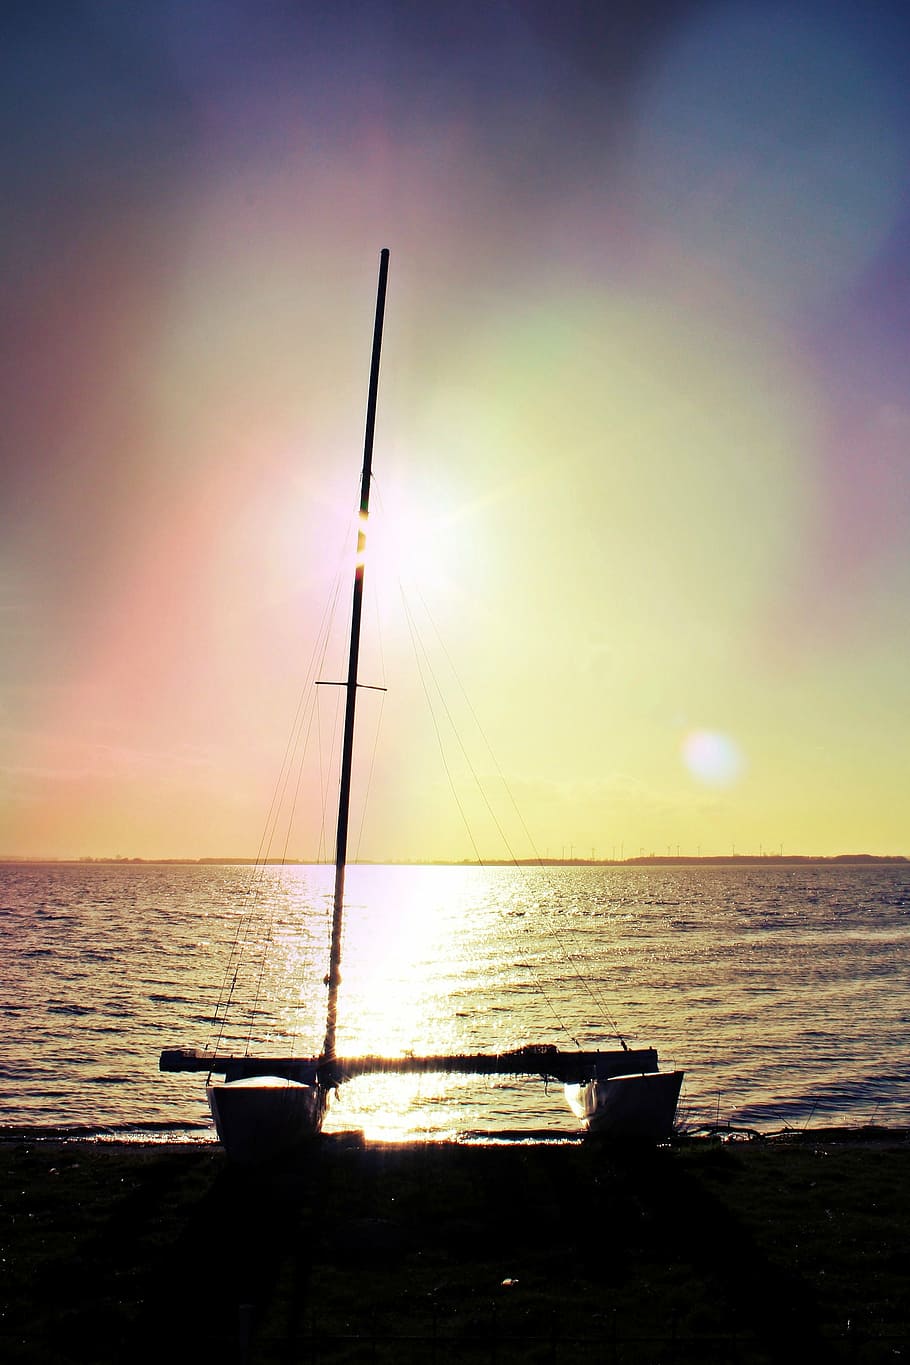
{"points": [[780, 990]]}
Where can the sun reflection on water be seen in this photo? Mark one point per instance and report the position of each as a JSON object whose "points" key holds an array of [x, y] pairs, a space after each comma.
{"points": [[411, 935], [749, 979]]}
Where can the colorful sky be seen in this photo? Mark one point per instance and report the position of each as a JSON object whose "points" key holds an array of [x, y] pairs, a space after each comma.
{"points": [[643, 439]]}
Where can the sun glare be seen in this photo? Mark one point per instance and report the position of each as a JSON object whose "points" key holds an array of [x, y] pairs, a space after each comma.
{"points": [[408, 542], [361, 539]]}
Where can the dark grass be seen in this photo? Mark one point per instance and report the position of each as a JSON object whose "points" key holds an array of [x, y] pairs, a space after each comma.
{"points": [[757, 1252]]}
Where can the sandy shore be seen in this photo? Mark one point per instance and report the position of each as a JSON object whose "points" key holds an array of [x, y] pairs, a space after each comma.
{"points": [[706, 1251]]}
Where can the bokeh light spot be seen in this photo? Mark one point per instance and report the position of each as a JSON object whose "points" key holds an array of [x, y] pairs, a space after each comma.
{"points": [[712, 758]]}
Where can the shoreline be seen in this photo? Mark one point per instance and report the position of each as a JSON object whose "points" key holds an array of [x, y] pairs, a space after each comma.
{"points": [[180, 1136]]}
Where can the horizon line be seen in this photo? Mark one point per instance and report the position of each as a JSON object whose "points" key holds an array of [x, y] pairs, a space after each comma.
{"points": [[648, 859]]}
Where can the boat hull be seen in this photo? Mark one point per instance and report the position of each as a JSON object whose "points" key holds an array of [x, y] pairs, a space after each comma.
{"points": [[640, 1107], [261, 1118]]}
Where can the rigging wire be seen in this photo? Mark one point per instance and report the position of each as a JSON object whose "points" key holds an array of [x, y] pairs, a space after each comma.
{"points": [[419, 647], [556, 936], [369, 782], [378, 727], [325, 771], [317, 666], [301, 730], [311, 713], [303, 717]]}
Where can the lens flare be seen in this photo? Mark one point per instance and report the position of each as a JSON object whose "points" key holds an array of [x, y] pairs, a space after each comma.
{"points": [[712, 758]]}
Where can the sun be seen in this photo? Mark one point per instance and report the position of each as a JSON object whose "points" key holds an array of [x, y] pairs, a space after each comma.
{"points": [[408, 543]]}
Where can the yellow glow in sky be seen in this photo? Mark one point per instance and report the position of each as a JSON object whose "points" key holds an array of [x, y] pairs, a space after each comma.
{"points": [[638, 523]]}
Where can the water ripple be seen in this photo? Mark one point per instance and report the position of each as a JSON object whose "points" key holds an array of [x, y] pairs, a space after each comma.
{"points": [[780, 991]]}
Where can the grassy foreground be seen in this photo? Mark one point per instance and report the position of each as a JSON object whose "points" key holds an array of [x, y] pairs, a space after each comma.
{"points": [[758, 1252]]}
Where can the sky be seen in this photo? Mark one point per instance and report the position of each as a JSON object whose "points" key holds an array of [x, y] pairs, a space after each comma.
{"points": [[642, 456]]}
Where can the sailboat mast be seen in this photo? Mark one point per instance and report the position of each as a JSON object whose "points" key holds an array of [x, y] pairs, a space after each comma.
{"points": [[347, 750]]}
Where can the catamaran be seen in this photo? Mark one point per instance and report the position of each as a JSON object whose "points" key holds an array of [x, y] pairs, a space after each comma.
{"points": [[265, 1107]]}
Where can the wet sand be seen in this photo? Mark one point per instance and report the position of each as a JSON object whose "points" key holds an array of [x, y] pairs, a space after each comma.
{"points": [[706, 1251]]}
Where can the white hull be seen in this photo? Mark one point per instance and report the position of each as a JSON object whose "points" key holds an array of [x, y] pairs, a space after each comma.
{"points": [[263, 1117], [642, 1107]]}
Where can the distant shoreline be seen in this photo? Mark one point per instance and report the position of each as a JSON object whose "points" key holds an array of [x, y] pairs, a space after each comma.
{"points": [[647, 860]]}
